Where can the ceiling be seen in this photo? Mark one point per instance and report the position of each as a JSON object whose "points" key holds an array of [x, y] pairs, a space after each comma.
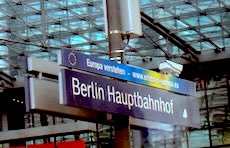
{"points": [[39, 28], [195, 33]]}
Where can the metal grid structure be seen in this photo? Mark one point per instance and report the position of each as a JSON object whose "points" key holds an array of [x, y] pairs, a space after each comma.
{"points": [[40, 28], [186, 31]]}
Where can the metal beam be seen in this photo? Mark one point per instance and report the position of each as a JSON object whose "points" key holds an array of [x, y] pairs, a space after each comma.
{"points": [[6, 81], [206, 56], [79, 126], [209, 11], [170, 36]]}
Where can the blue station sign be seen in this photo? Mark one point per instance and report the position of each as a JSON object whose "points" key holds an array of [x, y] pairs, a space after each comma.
{"points": [[126, 72], [90, 91]]}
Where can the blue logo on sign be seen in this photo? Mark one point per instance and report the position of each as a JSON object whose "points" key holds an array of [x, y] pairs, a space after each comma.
{"points": [[72, 59]]}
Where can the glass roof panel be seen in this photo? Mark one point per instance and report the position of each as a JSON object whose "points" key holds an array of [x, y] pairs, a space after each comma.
{"points": [[219, 43], [198, 20], [77, 39], [174, 50], [186, 32], [55, 28], [180, 24], [54, 43], [3, 50], [32, 32], [85, 10], [104, 44], [210, 29], [160, 13], [96, 36], [208, 4], [79, 25], [74, 24], [3, 64], [50, 5], [149, 12], [227, 2], [188, 35], [206, 46], [181, 9], [43, 55], [203, 20], [197, 46], [3, 35], [170, 24], [59, 15], [33, 48], [33, 19], [142, 2], [202, 46], [225, 16], [77, 1], [3, 23], [217, 17], [227, 42], [193, 21], [35, 5], [214, 35], [227, 26], [174, 24], [100, 21], [87, 47]]}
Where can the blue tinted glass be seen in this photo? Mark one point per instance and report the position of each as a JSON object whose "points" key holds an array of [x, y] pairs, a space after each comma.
{"points": [[227, 42], [142, 2], [95, 35], [77, 40], [216, 17], [210, 29], [181, 9], [203, 20], [196, 21], [227, 2], [160, 13], [208, 4], [3, 64], [207, 46], [193, 21], [219, 43]]}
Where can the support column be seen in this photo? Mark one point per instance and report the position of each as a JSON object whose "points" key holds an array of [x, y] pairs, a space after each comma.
{"points": [[228, 89], [4, 122], [114, 30], [4, 126], [122, 127], [122, 135], [43, 16], [137, 139], [207, 110]]}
